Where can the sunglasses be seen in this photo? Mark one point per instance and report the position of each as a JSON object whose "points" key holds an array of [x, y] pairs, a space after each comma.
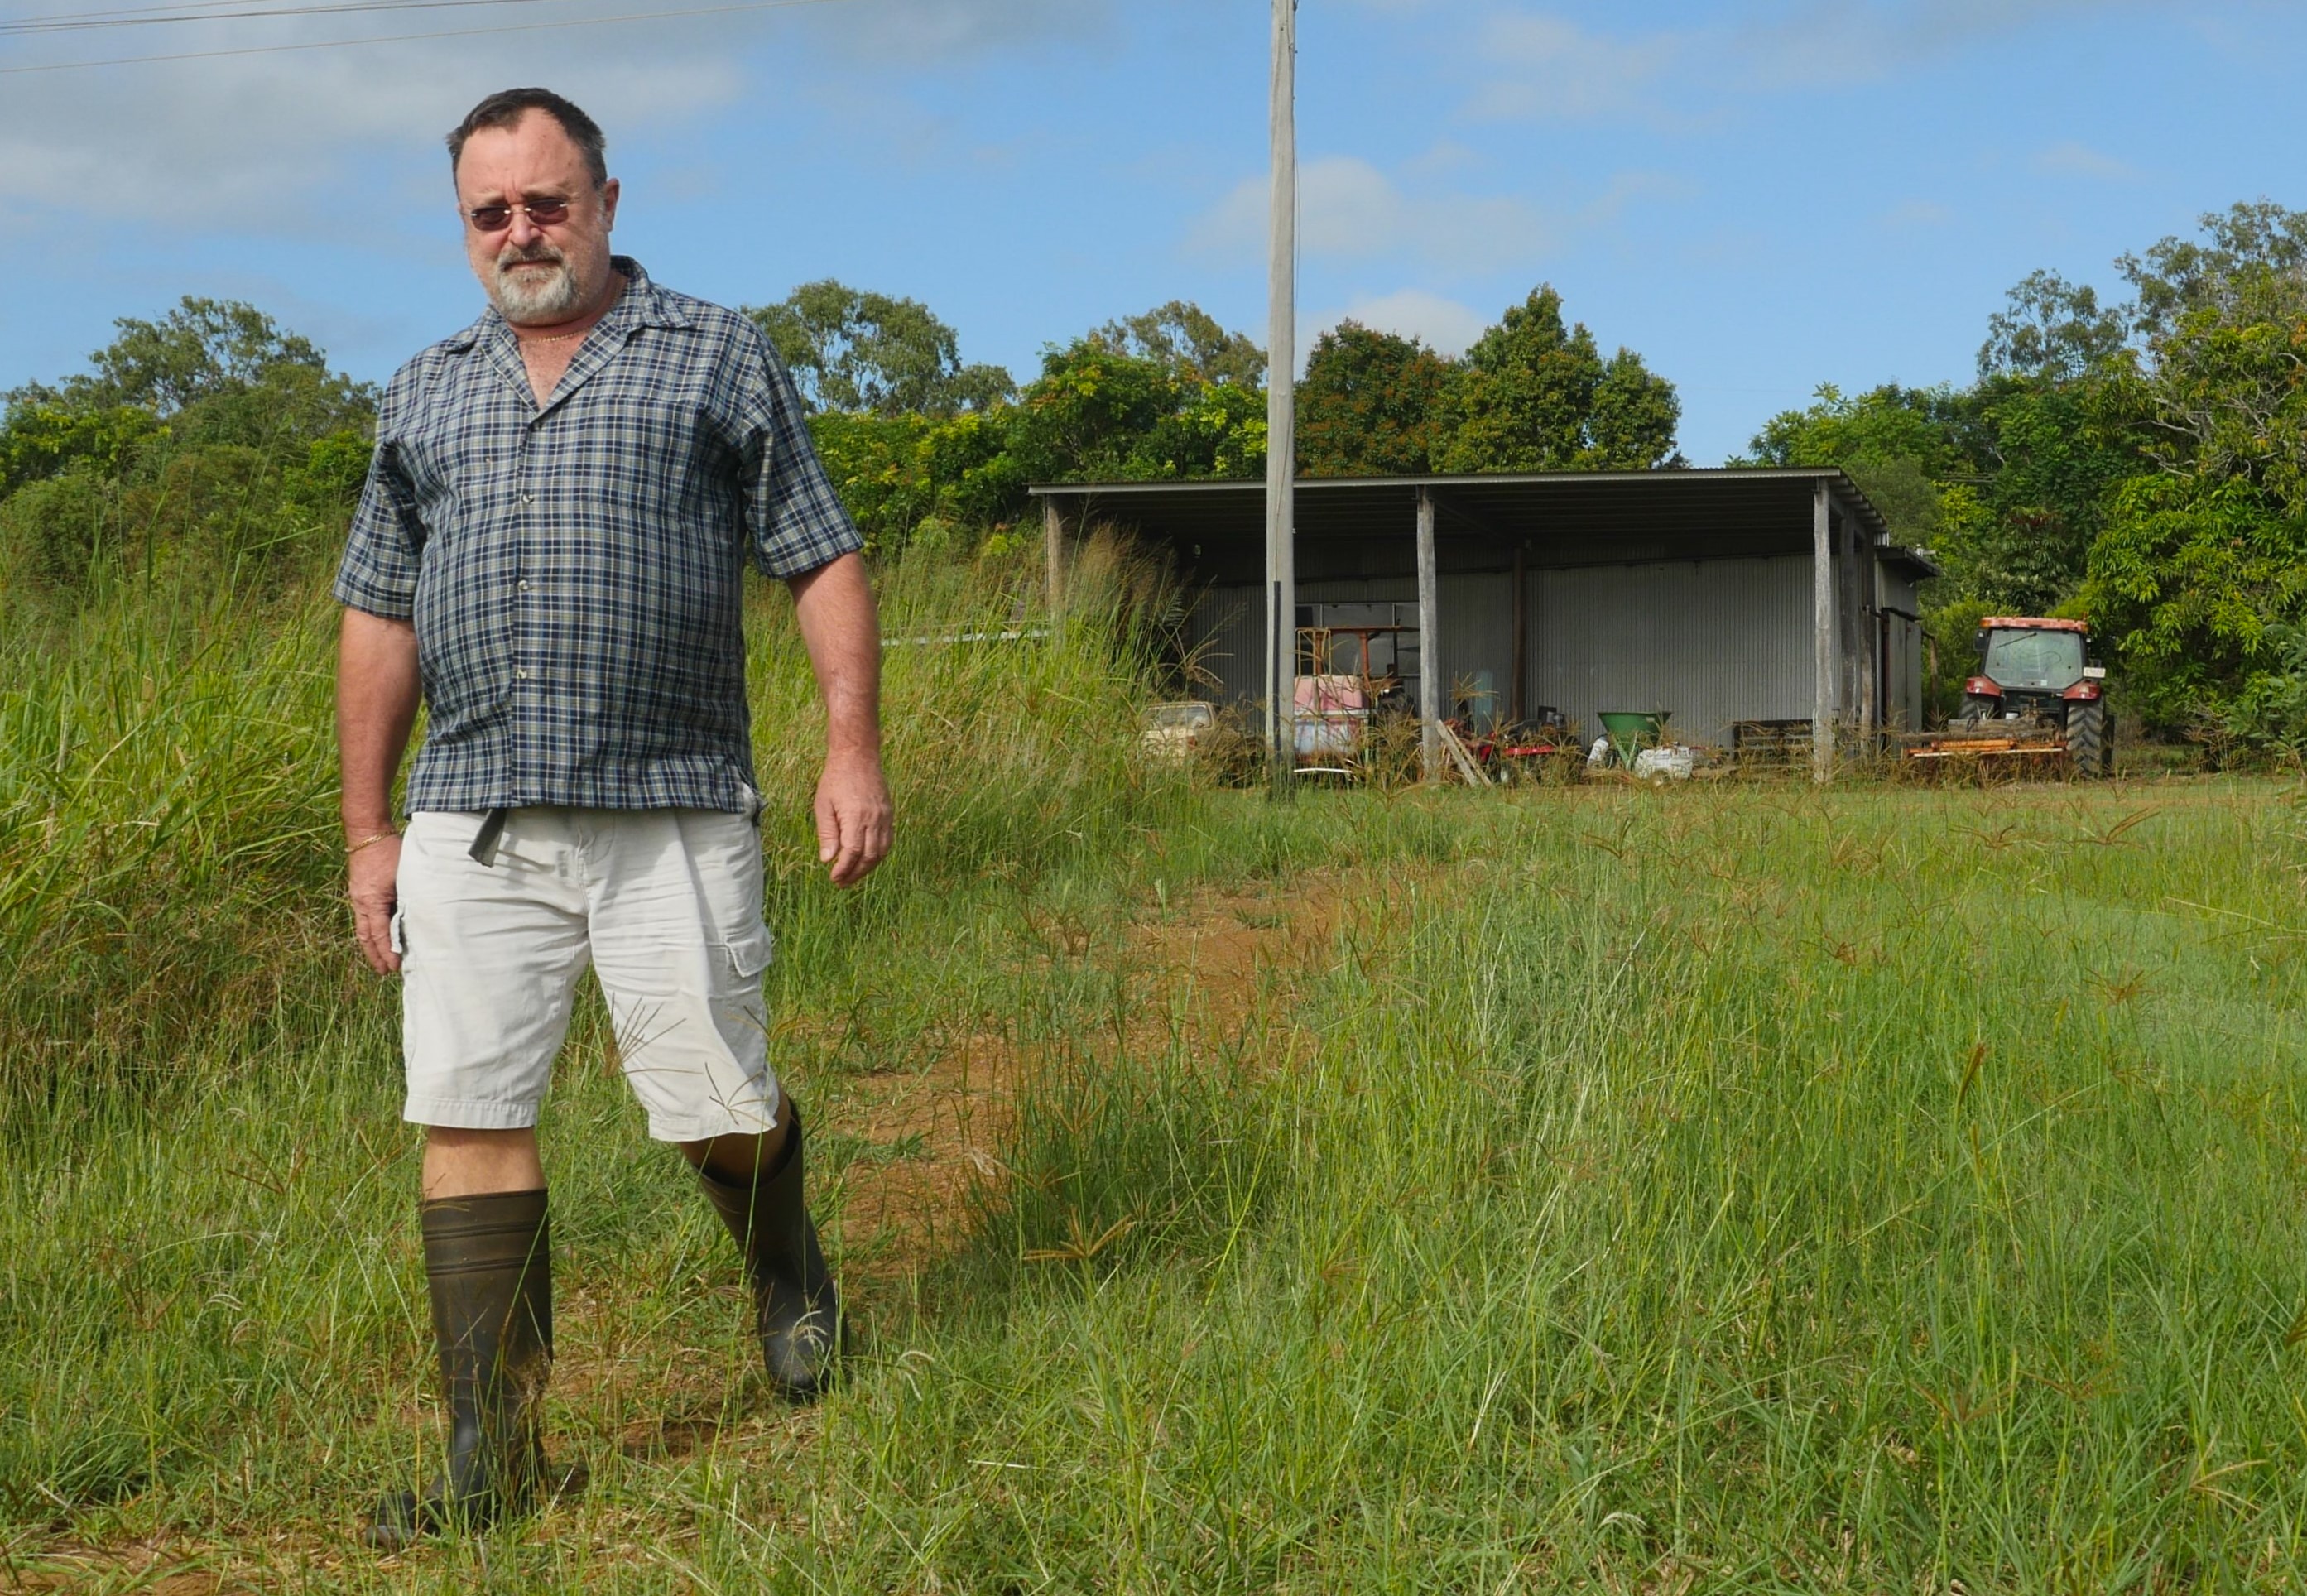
{"points": [[496, 218]]}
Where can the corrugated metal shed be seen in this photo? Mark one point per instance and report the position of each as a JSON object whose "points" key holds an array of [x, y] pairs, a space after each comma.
{"points": [[1691, 591]]}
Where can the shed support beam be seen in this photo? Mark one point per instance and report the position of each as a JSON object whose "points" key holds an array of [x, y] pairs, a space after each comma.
{"points": [[1053, 550], [1868, 633], [1823, 636], [1429, 644]]}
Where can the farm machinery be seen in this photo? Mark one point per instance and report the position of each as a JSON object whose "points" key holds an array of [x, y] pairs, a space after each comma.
{"points": [[2036, 697]]}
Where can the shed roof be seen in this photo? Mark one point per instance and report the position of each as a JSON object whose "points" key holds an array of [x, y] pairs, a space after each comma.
{"points": [[1353, 526]]}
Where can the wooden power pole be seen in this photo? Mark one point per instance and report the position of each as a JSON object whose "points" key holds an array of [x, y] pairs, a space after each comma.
{"points": [[1281, 409]]}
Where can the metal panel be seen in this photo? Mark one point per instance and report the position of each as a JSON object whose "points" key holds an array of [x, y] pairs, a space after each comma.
{"points": [[1476, 646], [1713, 641], [1902, 685], [1225, 645]]}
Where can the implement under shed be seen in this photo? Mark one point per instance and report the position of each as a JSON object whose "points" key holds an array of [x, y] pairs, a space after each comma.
{"points": [[1722, 595]]}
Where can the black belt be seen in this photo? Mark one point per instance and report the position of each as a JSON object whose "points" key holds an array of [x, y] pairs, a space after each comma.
{"points": [[483, 850]]}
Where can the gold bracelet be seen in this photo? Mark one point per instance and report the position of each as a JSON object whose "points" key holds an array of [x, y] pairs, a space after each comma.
{"points": [[375, 837]]}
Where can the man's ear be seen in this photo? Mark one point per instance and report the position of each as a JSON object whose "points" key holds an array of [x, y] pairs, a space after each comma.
{"points": [[609, 192]]}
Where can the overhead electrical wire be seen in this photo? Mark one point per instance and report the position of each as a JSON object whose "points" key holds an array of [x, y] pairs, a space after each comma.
{"points": [[203, 11], [341, 44]]}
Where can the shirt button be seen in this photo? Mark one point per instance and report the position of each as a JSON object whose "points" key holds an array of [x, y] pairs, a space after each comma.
{"points": [[524, 586], [529, 498], [522, 673]]}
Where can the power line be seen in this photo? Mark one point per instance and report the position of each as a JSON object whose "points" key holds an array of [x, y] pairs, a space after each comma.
{"points": [[340, 44], [149, 16]]}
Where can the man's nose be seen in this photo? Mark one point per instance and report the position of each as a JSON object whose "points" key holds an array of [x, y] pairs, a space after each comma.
{"points": [[522, 231]]}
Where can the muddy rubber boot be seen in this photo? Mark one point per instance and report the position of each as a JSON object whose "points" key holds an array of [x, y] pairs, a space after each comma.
{"points": [[796, 1310], [488, 1262]]}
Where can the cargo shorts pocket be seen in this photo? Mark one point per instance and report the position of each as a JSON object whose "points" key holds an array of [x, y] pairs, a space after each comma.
{"points": [[750, 952]]}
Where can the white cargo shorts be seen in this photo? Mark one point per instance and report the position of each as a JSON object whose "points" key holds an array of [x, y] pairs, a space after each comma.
{"points": [[665, 904]]}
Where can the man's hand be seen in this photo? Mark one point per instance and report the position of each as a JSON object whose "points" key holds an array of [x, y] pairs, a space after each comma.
{"points": [[370, 873], [853, 818]]}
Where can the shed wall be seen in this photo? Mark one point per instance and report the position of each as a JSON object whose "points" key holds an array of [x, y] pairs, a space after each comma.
{"points": [[1226, 632], [1713, 641]]}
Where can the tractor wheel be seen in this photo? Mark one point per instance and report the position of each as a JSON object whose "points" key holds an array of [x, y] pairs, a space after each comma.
{"points": [[2087, 743]]}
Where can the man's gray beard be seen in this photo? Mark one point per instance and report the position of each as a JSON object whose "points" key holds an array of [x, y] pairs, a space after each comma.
{"points": [[556, 298]]}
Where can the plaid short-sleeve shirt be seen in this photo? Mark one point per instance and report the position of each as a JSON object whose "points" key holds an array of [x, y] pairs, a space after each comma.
{"points": [[574, 572]]}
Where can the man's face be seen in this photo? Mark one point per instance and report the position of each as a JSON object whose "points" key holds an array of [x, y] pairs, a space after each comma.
{"points": [[535, 275]]}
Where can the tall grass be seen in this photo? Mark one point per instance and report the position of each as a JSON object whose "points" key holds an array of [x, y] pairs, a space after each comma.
{"points": [[169, 866], [1727, 1190]]}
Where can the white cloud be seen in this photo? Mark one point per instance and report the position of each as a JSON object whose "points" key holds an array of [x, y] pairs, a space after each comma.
{"points": [[1551, 67], [1872, 39], [240, 141], [2073, 158], [1347, 208], [938, 30], [1443, 322]]}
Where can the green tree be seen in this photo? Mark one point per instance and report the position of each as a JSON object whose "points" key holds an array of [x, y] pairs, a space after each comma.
{"points": [[2191, 586], [2050, 329], [202, 348], [1537, 395], [1371, 403], [209, 438], [1188, 342], [1096, 415], [849, 349]]}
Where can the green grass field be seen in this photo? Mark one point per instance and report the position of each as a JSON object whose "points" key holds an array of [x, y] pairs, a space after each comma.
{"points": [[1720, 1189]]}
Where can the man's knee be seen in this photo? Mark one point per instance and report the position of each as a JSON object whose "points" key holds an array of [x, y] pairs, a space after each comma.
{"points": [[459, 1161]]}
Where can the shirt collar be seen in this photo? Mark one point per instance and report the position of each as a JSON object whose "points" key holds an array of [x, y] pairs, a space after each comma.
{"points": [[642, 305]]}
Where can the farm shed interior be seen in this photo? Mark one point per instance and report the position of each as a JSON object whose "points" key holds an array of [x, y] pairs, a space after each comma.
{"points": [[1715, 595]]}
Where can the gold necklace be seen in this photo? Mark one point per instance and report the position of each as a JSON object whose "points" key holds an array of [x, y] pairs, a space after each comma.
{"points": [[559, 337]]}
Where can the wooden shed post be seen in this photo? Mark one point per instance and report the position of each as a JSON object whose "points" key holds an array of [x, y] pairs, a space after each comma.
{"points": [[1868, 639], [1429, 644], [1823, 637], [1053, 550]]}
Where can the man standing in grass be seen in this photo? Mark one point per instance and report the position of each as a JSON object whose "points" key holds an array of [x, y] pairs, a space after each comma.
{"points": [[549, 552]]}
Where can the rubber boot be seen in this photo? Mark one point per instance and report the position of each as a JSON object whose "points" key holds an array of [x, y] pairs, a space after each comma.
{"points": [[797, 1311], [488, 1263]]}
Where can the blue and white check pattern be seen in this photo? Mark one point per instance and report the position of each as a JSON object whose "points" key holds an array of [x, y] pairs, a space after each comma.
{"points": [[575, 572]]}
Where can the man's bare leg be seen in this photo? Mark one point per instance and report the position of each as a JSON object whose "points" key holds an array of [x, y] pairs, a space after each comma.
{"points": [[480, 1162]]}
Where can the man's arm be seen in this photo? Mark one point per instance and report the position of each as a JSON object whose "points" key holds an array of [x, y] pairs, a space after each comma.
{"points": [[376, 705], [835, 605]]}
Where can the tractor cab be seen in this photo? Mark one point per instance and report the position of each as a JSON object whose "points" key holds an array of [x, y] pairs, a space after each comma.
{"points": [[2032, 667]]}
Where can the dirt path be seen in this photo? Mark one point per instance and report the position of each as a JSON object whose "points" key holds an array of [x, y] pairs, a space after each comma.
{"points": [[937, 1134]]}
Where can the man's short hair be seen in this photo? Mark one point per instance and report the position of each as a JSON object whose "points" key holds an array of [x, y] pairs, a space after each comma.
{"points": [[507, 106]]}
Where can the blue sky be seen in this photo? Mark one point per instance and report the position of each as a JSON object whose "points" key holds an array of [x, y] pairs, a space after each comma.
{"points": [[1758, 197]]}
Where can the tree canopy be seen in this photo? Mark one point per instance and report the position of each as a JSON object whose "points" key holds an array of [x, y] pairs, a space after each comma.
{"points": [[1186, 342], [849, 349], [1537, 395], [1371, 403], [207, 439]]}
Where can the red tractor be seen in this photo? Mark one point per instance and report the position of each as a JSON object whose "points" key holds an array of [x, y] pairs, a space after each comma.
{"points": [[2036, 695]]}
